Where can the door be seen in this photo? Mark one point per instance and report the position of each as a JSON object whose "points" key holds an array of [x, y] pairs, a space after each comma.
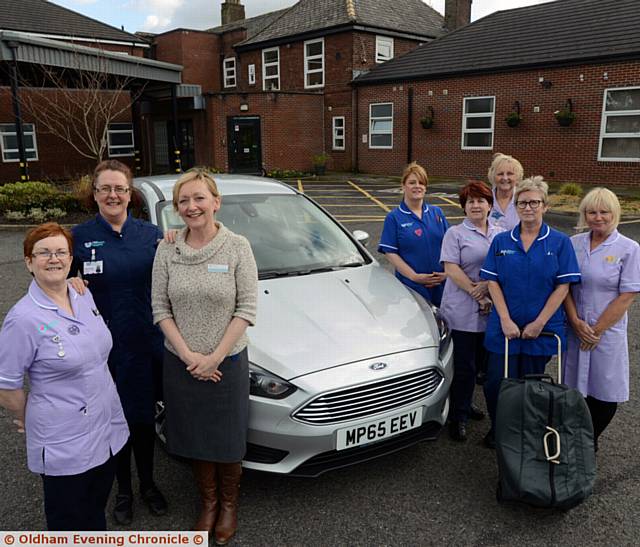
{"points": [[243, 137], [186, 143]]}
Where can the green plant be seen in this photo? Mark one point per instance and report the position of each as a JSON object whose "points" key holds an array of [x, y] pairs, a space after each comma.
{"points": [[565, 116], [319, 160], [285, 174], [37, 214], [426, 122], [513, 119], [570, 189], [24, 196]]}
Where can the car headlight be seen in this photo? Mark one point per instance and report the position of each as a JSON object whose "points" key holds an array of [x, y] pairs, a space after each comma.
{"points": [[265, 384], [444, 332]]}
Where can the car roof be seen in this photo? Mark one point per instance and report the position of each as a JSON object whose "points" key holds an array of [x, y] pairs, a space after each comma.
{"points": [[228, 185]]}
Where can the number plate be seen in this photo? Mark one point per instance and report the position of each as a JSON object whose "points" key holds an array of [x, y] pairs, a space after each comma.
{"points": [[377, 430]]}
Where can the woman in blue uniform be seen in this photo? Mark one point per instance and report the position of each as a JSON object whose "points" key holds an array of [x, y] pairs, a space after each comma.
{"points": [[412, 237], [529, 270], [114, 253]]}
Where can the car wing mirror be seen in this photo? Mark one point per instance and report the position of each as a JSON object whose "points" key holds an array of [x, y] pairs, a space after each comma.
{"points": [[361, 236]]}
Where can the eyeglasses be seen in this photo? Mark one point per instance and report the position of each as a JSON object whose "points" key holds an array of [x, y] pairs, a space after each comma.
{"points": [[106, 190], [534, 204], [50, 254]]}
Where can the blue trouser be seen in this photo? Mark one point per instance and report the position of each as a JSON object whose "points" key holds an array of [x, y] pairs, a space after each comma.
{"points": [[519, 365], [468, 355]]}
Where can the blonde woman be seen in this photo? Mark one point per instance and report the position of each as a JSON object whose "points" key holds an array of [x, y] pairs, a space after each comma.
{"points": [[504, 173]]}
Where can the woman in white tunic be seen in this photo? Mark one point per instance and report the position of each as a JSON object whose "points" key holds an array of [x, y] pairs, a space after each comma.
{"points": [[597, 358]]}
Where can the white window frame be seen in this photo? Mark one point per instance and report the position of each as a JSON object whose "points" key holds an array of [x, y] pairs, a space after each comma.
{"points": [[372, 119], [336, 133], [603, 125], [251, 74], [466, 116], [229, 72], [316, 57], [112, 150], [13, 133], [266, 78], [383, 40]]}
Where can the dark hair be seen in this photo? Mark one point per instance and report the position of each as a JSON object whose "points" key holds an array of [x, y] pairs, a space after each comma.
{"points": [[48, 229], [87, 198], [112, 165], [476, 189]]}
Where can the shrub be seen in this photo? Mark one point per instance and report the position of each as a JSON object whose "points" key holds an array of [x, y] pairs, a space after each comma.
{"points": [[570, 189], [24, 196], [285, 174], [37, 215]]}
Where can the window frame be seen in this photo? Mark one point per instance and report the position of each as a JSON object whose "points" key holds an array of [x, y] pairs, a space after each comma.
{"points": [[379, 39], [229, 72], [308, 58], [117, 146], [14, 133], [465, 116], [371, 119], [603, 126], [251, 74], [264, 69], [334, 136]]}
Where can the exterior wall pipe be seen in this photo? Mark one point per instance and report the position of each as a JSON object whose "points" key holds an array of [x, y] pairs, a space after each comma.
{"points": [[24, 168], [176, 132]]}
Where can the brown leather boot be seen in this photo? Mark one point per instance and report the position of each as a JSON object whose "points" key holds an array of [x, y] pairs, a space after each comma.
{"points": [[229, 475], [205, 475]]}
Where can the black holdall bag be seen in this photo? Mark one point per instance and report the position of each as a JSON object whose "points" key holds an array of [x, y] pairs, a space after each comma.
{"points": [[544, 441]]}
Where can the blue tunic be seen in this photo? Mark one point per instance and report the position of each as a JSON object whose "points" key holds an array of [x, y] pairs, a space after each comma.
{"points": [[527, 279], [418, 242], [118, 269]]}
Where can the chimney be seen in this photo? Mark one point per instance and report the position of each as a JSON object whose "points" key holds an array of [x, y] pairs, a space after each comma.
{"points": [[232, 10], [457, 13]]}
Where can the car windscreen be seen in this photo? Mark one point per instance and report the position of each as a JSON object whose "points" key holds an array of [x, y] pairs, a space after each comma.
{"points": [[289, 235]]}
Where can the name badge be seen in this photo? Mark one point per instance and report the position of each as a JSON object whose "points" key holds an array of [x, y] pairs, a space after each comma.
{"points": [[93, 267], [218, 268]]}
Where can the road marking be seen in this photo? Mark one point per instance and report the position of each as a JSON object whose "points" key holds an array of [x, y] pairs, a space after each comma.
{"points": [[300, 187], [367, 194], [634, 221]]}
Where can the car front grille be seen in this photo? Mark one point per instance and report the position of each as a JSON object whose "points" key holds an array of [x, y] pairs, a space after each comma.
{"points": [[368, 399]]}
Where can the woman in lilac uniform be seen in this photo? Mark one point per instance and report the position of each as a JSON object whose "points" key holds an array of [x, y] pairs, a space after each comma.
{"points": [[465, 302], [597, 358], [72, 415], [505, 172]]}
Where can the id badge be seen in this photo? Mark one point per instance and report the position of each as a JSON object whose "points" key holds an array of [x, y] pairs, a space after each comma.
{"points": [[92, 268]]}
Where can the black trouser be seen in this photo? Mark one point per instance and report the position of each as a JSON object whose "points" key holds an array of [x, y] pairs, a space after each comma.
{"points": [[141, 442], [602, 412], [77, 502], [468, 353]]}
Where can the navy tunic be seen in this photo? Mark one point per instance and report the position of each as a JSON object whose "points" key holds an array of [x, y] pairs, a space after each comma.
{"points": [[118, 269]]}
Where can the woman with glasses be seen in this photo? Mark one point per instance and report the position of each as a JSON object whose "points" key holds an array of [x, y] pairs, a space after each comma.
{"points": [[529, 270], [505, 172], [597, 358], [114, 253], [72, 415]]}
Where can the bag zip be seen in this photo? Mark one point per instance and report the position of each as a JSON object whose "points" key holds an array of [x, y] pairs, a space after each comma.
{"points": [[552, 484]]}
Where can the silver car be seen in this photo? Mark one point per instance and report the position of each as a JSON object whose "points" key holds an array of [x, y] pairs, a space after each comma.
{"points": [[346, 362]]}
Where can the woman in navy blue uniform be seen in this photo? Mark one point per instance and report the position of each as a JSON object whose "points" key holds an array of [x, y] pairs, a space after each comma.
{"points": [[529, 270], [412, 237], [114, 252]]}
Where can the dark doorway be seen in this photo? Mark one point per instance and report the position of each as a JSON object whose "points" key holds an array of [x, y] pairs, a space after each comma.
{"points": [[243, 137], [186, 143]]}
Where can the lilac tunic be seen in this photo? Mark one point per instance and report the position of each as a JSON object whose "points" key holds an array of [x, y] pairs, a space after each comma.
{"points": [[508, 219], [74, 419], [610, 269], [467, 247]]}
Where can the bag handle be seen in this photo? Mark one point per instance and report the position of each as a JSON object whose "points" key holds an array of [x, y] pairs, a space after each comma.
{"points": [[553, 458], [544, 333]]}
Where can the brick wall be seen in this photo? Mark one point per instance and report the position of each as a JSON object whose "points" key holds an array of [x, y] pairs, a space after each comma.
{"points": [[543, 147]]}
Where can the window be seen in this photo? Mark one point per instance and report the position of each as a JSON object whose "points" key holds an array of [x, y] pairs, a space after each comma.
{"points": [[9, 142], [252, 74], [338, 132], [271, 69], [384, 49], [229, 69], [620, 126], [381, 125], [314, 63], [120, 139], [477, 123]]}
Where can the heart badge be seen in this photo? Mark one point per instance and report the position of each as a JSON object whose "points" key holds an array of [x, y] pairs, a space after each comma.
{"points": [[418, 232]]}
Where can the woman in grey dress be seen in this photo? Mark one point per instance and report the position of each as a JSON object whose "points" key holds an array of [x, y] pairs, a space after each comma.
{"points": [[204, 295]]}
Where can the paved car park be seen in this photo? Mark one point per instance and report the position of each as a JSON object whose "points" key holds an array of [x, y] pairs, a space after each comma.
{"points": [[436, 493]]}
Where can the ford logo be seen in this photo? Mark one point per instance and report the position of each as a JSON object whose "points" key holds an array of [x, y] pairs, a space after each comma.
{"points": [[378, 366]]}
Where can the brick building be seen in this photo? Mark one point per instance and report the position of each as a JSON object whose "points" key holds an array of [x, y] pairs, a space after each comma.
{"points": [[578, 55]]}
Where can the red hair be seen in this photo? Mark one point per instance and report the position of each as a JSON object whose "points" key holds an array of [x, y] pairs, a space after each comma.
{"points": [[48, 229], [475, 189]]}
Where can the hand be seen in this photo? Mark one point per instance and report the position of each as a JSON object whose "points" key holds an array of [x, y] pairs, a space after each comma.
{"points": [[202, 367], [585, 332], [509, 329], [430, 280], [485, 306], [479, 291], [170, 236], [532, 330], [586, 346], [79, 285], [19, 425]]}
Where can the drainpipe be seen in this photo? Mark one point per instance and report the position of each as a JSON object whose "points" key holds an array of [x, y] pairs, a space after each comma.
{"points": [[24, 168], [355, 136], [176, 133], [410, 125]]}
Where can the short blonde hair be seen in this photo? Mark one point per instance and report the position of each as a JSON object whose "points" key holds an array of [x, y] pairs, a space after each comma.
{"points": [[498, 160], [600, 198], [191, 175], [414, 168], [532, 184]]}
